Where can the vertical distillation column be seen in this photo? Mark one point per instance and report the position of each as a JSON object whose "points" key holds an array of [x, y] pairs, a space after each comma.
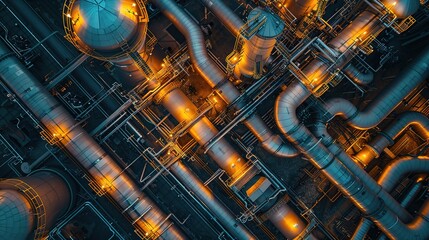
{"points": [[30, 205], [266, 27]]}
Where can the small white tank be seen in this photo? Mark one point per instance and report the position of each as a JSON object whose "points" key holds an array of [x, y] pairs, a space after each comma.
{"points": [[258, 48]]}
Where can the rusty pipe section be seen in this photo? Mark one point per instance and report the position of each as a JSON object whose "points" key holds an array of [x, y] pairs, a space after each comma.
{"points": [[414, 74], [375, 147], [194, 184], [228, 18], [358, 76], [216, 78], [103, 169]]}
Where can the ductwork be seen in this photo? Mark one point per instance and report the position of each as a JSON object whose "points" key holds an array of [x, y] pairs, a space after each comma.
{"points": [[386, 138], [216, 78], [228, 18], [103, 169], [358, 76], [416, 72]]}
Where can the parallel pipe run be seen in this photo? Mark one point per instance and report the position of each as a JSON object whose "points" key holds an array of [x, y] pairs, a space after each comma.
{"points": [[216, 78], [366, 200], [176, 102], [64, 129], [415, 73], [386, 138]]}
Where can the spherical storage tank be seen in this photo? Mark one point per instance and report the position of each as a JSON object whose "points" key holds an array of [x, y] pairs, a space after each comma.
{"points": [[105, 29]]}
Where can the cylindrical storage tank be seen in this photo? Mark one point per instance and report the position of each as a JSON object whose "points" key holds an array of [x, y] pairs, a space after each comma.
{"points": [[258, 48], [33, 204], [108, 30], [103, 28]]}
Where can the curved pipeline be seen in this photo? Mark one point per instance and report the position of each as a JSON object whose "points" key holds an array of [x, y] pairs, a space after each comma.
{"points": [[216, 78], [85, 150], [386, 138], [404, 165], [358, 76], [416, 72], [228, 18], [285, 112]]}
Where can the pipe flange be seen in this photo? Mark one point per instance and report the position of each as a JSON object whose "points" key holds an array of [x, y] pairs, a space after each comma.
{"points": [[165, 91]]}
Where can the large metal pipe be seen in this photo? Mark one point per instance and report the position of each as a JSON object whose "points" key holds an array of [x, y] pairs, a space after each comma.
{"points": [[415, 73], [228, 18], [297, 93], [62, 52], [358, 76], [401, 166], [33, 204], [104, 170], [402, 9], [365, 224], [285, 113], [299, 8], [216, 78], [386, 138], [194, 184]]}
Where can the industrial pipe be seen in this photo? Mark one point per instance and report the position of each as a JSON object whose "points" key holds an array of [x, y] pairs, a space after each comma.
{"points": [[386, 138], [401, 166], [358, 76], [182, 108], [365, 224], [322, 158], [33, 204], [228, 18], [194, 184], [216, 78], [299, 8], [67, 132], [414, 74]]}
